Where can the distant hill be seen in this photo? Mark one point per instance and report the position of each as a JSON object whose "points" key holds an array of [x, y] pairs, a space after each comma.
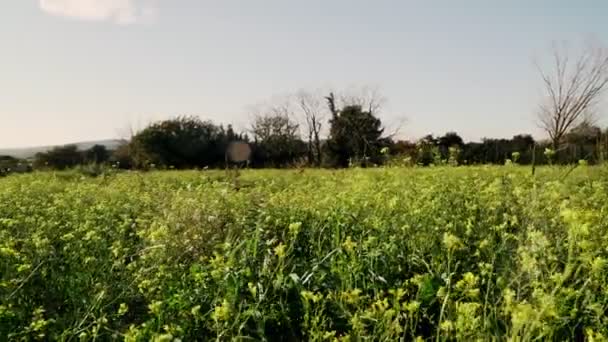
{"points": [[29, 152]]}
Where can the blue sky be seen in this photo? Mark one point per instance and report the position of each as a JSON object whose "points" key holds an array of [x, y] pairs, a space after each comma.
{"points": [[75, 70]]}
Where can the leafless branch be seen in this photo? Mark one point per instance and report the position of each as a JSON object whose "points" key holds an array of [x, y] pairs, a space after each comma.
{"points": [[369, 98], [312, 109], [573, 87]]}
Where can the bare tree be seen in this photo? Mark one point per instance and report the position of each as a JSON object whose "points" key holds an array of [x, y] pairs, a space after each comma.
{"points": [[269, 126], [369, 98], [574, 86], [274, 117], [312, 107], [276, 135]]}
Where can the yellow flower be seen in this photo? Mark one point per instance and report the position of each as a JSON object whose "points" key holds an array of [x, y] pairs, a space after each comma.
{"points": [[310, 296], [446, 326], [294, 228], [7, 251], [398, 293], [328, 335], [221, 312], [163, 338], [349, 245], [155, 307], [522, 314], [356, 323], [123, 309], [412, 306], [280, 250], [483, 244], [597, 265], [195, 310], [252, 288], [380, 305], [452, 242], [352, 296], [468, 285]]}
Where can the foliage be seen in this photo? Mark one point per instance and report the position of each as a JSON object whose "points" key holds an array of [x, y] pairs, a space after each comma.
{"points": [[276, 141], [475, 253], [69, 156], [60, 158], [450, 146], [97, 154], [355, 137], [10, 165], [497, 151], [183, 142]]}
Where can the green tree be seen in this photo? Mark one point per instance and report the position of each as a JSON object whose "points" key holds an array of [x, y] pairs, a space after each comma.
{"points": [[183, 142], [276, 140], [97, 154], [355, 135], [582, 142], [428, 152], [61, 157], [449, 141]]}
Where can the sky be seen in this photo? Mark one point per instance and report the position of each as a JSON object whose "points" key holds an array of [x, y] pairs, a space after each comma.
{"points": [[81, 70]]}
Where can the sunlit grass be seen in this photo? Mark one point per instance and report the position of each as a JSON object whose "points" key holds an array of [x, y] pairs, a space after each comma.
{"points": [[463, 253]]}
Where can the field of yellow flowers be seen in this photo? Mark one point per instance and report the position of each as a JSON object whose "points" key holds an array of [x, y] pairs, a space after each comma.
{"points": [[413, 254]]}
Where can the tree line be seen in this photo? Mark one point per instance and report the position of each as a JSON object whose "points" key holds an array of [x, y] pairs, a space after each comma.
{"points": [[356, 137], [344, 129]]}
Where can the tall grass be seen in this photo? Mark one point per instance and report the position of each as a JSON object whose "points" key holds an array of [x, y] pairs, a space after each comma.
{"points": [[475, 253]]}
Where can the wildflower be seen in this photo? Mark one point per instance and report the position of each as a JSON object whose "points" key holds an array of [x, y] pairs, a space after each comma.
{"points": [[467, 320], [294, 228], [23, 267], [380, 305], [597, 266], [349, 245], [122, 309], [521, 315], [468, 280], [155, 307], [7, 251], [310, 296], [252, 288], [356, 323], [412, 306], [163, 338], [280, 250], [398, 293], [441, 292], [451, 242], [508, 295], [328, 335], [446, 326], [483, 244], [352, 296], [195, 310], [594, 336], [221, 312]]}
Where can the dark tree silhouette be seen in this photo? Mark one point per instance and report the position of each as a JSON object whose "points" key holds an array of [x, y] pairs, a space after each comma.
{"points": [[355, 136]]}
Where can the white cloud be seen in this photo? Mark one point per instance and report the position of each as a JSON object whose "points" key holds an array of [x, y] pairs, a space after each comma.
{"points": [[118, 11]]}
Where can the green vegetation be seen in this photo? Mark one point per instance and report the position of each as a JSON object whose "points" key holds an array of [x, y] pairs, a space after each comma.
{"points": [[475, 253]]}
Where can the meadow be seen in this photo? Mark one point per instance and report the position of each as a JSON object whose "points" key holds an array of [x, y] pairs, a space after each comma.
{"points": [[386, 254]]}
